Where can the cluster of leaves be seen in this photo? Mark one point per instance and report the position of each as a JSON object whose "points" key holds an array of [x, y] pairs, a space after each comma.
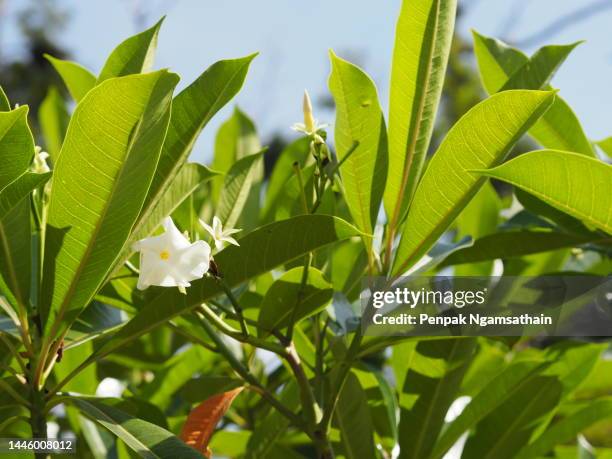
{"points": [[269, 341]]}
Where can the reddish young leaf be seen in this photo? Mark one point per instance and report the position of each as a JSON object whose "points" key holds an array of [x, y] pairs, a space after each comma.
{"points": [[202, 420]]}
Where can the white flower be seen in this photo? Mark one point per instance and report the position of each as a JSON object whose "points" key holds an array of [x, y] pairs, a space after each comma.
{"points": [[218, 234], [310, 126], [170, 260], [40, 165]]}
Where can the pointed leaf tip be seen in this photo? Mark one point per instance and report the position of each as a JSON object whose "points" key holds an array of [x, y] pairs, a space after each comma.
{"points": [[202, 420]]}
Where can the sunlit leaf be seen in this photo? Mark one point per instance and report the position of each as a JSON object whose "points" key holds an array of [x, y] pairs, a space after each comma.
{"points": [[430, 386], [77, 78], [359, 118], [53, 118], [568, 429], [109, 156], [353, 418], [484, 135], [422, 45], [236, 139], [145, 438], [573, 183], [190, 178], [286, 300], [296, 151], [192, 109], [559, 127], [19, 189], [237, 187], [133, 55]]}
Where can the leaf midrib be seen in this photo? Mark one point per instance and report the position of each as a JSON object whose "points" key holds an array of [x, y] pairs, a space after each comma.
{"points": [[94, 234], [410, 151], [118, 426]]}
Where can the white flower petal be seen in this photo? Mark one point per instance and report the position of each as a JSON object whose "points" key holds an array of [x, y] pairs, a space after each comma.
{"points": [[230, 240], [207, 227], [170, 260]]}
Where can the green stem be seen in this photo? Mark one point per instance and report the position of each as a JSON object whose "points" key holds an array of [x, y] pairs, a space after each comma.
{"points": [[342, 373], [300, 295], [233, 333], [235, 304], [298, 173], [248, 376], [38, 423]]}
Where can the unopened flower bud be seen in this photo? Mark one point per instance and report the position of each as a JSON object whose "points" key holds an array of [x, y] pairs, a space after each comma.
{"points": [[309, 121]]}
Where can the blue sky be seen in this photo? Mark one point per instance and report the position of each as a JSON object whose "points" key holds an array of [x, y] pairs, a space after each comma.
{"points": [[294, 37]]}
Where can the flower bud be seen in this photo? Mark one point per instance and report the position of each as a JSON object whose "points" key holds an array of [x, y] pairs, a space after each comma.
{"points": [[309, 121]]}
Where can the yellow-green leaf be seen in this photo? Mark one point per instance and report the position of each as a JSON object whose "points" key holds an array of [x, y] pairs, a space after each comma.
{"points": [[77, 78], [133, 55], [574, 183], [482, 136], [422, 45], [359, 118], [501, 66], [108, 159]]}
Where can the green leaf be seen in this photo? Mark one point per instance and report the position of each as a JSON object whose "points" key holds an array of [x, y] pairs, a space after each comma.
{"points": [[353, 418], [497, 391], [448, 185], [19, 189], [174, 374], [5, 105], [430, 386], [133, 55], [541, 209], [513, 244], [506, 429], [422, 45], [192, 109], [16, 145], [236, 188], [348, 266], [15, 255], [382, 404], [278, 307], [479, 218], [260, 251], [567, 429], [359, 118], [53, 118], [109, 156], [190, 178], [576, 184], [235, 139], [270, 430], [537, 72], [77, 78], [16, 153], [297, 151], [559, 128], [606, 146], [147, 439]]}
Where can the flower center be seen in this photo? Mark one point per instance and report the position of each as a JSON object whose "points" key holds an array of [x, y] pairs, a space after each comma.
{"points": [[164, 255]]}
